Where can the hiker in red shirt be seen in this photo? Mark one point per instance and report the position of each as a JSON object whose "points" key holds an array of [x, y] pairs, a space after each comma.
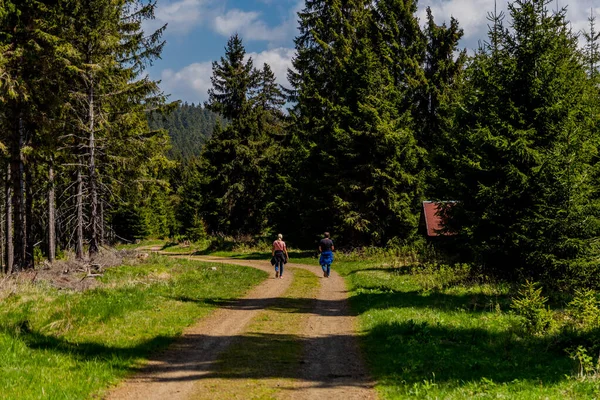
{"points": [[280, 255]]}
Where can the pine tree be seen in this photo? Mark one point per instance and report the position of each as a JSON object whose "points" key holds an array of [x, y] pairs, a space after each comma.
{"points": [[110, 100], [592, 48], [269, 96], [31, 61], [438, 99], [354, 82], [232, 80], [235, 158], [528, 201]]}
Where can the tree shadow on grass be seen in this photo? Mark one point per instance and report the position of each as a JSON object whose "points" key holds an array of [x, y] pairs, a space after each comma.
{"points": [[322, 307], [385, 298], [120, 357], [168, 245], [406, 353], [400, 354], [364, 302]]}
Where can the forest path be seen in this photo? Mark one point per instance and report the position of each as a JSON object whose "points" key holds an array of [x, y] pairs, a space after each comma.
{"points": [[331, 368]]}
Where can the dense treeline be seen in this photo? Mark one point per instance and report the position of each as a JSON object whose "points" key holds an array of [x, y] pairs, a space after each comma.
{"points": [[76, 146], [527, 176], [371, 93], [385, 112], [189, 128]]}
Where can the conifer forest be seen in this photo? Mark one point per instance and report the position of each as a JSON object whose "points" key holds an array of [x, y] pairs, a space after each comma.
{"points": [[383, 111]]}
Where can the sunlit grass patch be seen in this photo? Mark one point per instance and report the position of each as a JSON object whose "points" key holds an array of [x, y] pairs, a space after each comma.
{"points": [[65, 344], [428, 333]]}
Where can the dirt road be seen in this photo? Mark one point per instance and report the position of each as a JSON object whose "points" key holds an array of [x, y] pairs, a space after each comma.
{"points": [[332, 366]]}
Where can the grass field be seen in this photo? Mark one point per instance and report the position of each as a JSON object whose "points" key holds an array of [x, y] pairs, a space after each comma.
{"points": [[454, 341], [427, 333], [58, 344]]}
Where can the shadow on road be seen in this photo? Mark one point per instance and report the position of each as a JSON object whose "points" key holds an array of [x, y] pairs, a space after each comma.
{"points": [[411, 350]]}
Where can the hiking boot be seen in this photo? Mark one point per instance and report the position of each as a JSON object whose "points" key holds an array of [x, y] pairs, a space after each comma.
{"points": [[276, 274]]}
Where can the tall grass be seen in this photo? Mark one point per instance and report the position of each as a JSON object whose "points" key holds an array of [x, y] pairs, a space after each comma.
{"points": [[57, 344]]}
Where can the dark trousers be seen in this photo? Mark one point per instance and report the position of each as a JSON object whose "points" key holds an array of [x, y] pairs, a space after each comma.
{"points": [[279, 261]]}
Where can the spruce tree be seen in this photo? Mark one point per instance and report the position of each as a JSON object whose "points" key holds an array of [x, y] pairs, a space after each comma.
{"points": [[354, 82], [110, 101], [235, 158], [438, 98], [528, 145], [233, 78], [32, 58]]}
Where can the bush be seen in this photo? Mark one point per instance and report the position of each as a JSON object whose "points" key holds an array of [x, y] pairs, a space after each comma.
{"points": [[586, 367], [531, 306], [585, 309], [197, 231]]}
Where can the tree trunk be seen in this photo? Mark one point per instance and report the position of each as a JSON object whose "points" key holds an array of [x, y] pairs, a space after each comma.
{"points": [[101, 223], [51, 218], [29, 260], [8, 225], [3, 268], [9, 254], [94, 223], [79, 222], [18, 198]]}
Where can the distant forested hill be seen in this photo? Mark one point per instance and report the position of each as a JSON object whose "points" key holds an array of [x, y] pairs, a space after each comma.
{"points": [[189, 126]]}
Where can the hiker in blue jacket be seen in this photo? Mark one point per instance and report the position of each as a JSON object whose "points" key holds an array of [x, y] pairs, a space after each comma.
{"points": [[326, 249]]}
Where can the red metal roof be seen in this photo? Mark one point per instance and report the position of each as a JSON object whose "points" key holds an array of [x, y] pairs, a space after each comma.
{"points": [[433, 221]]}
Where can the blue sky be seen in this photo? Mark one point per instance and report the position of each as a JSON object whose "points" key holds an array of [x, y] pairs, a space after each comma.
{"points": [[198, 31]]}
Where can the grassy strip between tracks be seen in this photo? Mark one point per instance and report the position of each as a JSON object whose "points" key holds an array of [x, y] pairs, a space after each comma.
{"points": [[265, 361], [61, 344]]}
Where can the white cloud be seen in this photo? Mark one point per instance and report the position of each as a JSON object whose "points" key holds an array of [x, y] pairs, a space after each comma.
{"points": [[184, 15], [192, 82], [250, 25], [472, 15], [181, 15], [247, 24], [279, 60]]}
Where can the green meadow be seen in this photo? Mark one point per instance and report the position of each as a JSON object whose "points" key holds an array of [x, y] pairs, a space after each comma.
{"points": [[61, 344]]}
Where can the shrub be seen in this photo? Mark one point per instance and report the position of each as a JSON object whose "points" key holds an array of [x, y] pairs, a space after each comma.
{"points": [[586, 367], [197, 231], [531, 306], [585, 308]]}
